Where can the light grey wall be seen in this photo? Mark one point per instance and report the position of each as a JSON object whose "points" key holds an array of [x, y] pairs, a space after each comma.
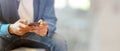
{"points": [[106, 27]]}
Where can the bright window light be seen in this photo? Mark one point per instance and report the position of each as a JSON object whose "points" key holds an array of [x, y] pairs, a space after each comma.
{"points": [[80, 4], [60, 4]]}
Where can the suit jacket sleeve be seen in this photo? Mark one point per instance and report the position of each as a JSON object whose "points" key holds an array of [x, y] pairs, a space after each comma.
{"points": [[3, 27], [49, 17]]}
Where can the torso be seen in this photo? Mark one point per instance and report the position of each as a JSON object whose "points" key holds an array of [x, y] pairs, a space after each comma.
{"points": [[9, 10]]}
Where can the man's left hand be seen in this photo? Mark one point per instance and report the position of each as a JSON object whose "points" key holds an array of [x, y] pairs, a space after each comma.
{"points": [[40, 29]]}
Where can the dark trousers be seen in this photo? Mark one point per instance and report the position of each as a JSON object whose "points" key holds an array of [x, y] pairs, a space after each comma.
{"points": [[55, 43]]}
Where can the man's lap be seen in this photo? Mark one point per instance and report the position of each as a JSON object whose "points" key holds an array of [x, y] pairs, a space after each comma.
{"points": [[56, 40]]}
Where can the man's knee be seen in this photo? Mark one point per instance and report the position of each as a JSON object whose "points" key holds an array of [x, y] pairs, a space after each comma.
{"points": [[60, 42], [59, 39]]}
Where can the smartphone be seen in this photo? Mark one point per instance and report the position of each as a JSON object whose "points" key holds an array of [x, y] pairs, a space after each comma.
{"points": [[34, 24]]}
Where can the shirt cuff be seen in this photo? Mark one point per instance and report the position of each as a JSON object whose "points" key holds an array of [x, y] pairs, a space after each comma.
{"points": [[4, 30]]}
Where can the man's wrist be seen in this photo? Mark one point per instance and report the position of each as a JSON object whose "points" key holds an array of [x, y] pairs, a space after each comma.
{"points": [[10, 29]]}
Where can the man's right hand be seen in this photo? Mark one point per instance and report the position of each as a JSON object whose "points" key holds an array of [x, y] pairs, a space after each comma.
{"points": [[19, 28]]}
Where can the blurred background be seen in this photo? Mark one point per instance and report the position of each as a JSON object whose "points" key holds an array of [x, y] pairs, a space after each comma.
{"points": [[74, 20], [89, 25]]}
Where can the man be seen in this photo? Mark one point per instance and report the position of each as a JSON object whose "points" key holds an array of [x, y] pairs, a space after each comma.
{"points": [[17, 27]]}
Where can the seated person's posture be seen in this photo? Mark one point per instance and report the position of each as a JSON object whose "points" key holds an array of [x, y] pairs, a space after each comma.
{"points": [[29, 23]]}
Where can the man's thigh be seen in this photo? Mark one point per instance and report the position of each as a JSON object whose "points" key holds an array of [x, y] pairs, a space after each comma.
{"points": [[56, 42], [33, 40], [6, 43], [3, 44]]}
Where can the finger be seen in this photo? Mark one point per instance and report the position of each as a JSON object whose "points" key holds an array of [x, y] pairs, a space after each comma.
{"points": [[22, 31], [43, 23], [44, 32], [36, 28], [22, 25], [23, 21], [31, 31], [19, 32], [28, 29], [35, 31], [40, 21]]}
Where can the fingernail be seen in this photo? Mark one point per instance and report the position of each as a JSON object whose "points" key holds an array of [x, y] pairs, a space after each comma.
{"points": [[40, 20]]}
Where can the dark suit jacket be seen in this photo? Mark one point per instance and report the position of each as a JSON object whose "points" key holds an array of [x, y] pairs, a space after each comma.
{"points": [[43, 9]]}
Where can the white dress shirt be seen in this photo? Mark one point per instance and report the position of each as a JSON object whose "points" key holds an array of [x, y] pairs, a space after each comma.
{"points": [[26, 11]]}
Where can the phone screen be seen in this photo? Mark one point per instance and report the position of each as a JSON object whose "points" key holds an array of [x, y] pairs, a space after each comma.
{"points": [[34, 24]]}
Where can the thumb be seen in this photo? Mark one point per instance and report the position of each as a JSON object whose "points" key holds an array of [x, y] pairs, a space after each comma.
{"points": [[24, 21], [40, 21]]}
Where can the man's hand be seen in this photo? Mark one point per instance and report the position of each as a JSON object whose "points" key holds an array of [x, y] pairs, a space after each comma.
{"points": [[41, 29], [19, 28]]}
